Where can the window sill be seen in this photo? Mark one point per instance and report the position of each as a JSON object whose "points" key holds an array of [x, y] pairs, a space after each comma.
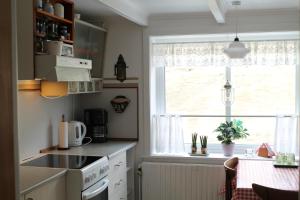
{"points": [[211, 159]]}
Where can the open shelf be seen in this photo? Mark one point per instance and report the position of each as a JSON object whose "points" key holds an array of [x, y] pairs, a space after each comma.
{"points": [[66, 1], [55, 18], [48, 18], [68, 41], [44, 36]]}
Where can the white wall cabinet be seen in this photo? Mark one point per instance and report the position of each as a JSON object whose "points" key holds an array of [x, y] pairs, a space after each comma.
{"points": [[54, 190], [90, 44]]}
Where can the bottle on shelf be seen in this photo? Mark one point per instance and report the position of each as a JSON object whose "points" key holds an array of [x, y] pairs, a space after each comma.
{"points": [[48, 7], [59, 10], [39, 4]]}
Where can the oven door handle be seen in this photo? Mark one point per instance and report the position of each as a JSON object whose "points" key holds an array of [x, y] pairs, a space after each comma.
{"points": [[89, 195]]}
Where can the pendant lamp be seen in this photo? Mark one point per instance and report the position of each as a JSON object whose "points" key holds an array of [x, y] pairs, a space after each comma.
{"points": [[236, 49]]}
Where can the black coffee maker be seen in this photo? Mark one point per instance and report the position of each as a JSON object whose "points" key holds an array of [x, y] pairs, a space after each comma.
{"points": [[96, 123]]}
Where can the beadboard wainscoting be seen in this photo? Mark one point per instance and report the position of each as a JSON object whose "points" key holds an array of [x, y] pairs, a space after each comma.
{"points": [[174, 181]]}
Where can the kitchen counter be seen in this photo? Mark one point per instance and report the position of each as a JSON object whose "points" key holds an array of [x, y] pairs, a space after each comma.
{"points": [[110, 149], [32, 177]]}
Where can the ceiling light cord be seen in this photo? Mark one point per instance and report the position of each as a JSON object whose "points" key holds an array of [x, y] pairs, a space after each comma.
{"points": [[236, 21]]}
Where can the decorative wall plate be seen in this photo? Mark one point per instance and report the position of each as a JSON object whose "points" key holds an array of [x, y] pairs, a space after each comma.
{"points": [[120, 103]]}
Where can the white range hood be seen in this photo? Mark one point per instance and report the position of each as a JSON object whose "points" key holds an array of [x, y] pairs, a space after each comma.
{"points": [[62, 68]]}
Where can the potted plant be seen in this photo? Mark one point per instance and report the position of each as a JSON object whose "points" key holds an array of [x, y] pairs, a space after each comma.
{"points": [[228, 132], [194, 142], [203, 141]]}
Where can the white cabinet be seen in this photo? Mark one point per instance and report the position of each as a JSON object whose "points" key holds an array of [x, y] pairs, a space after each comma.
{"points": [[130, 160], [117, 189], [54, 190]]}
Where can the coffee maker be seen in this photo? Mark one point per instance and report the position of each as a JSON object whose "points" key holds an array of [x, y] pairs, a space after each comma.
{"points": [[96, 123]]}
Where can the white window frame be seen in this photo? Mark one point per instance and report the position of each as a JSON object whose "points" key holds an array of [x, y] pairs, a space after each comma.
{"points": [[159, 77]]}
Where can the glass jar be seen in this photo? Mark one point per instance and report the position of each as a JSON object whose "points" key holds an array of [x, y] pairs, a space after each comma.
{"points": [[39, 4], [48, 7]]}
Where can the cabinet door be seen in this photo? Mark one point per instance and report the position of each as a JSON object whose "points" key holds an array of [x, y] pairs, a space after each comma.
{"points": [[54, 190], [25, 40], [96, 47], [89, 44], [117, 188]]}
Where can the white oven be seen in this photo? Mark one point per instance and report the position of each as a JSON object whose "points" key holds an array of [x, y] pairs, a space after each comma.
{"points": [[86, 175], [90, 182], [98, 191]]}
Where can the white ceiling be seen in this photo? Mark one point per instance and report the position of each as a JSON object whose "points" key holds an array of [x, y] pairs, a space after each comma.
{"points": [[146, 8], [153, 7], [92, 8], [191, 6], [266, 4]]}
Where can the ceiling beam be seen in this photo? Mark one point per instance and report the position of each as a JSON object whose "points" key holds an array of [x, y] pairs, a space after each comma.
{"points": [[129, 10], [218, 8]]}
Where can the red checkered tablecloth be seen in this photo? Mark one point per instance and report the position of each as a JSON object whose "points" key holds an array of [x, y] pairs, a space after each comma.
{"points": [[263, 173]]}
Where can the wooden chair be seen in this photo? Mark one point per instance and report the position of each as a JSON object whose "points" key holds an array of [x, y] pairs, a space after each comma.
{"points": [[266, 193], [230, 173]]}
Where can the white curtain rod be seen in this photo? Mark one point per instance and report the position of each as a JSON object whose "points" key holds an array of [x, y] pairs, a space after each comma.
{"points": [[261, 116]]}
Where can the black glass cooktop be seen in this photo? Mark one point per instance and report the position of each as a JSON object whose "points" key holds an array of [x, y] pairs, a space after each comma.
{"points": [[62, 161]]}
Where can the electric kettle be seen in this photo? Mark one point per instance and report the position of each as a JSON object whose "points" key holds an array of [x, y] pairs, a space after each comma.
{"points": [[77, 131]]}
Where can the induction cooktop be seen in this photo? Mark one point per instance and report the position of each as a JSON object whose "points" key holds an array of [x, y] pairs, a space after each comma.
{"points": [[62, 161]]}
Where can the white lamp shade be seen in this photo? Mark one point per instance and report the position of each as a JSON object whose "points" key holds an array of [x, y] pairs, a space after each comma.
{"points": [[236, 50]]}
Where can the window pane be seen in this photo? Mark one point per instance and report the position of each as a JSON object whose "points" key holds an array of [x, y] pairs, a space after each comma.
{"points": [[194, 90], [263, 90], [260, 129], [203, 126]]}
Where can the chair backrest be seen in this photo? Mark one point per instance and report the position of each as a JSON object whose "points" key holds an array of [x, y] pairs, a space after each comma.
{"points": [[230, 173], [267, 193]]}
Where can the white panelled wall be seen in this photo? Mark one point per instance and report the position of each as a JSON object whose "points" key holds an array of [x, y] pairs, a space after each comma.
{"points": [[38, 121], [123, 37]]}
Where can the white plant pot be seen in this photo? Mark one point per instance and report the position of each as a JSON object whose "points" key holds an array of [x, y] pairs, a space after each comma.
{"points": [[228, 149]]}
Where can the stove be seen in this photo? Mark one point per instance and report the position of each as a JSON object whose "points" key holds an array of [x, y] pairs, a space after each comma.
{"points": [[63, 161], [85, 176]]}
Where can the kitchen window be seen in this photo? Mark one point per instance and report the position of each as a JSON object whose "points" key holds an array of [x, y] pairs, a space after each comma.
{"points": [[189, 74]]}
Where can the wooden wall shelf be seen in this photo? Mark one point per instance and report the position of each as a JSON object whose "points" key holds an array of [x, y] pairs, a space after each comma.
{"points": [[67, 20], [55, 18], [68, 41]]}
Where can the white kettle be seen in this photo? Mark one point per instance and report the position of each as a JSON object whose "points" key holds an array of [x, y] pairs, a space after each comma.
{"points": [[77, 131]]}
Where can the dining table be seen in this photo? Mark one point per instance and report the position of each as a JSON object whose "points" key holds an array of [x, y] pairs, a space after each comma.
{"points": [[263, 172]]}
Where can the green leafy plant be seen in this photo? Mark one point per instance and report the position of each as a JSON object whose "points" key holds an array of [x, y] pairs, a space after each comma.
{"points": [[194, 140], [230, 131], [203, 141]]}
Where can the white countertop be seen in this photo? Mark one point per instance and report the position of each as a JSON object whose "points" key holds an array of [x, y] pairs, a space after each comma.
{"points": [[31, 177], [109, 149]]}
